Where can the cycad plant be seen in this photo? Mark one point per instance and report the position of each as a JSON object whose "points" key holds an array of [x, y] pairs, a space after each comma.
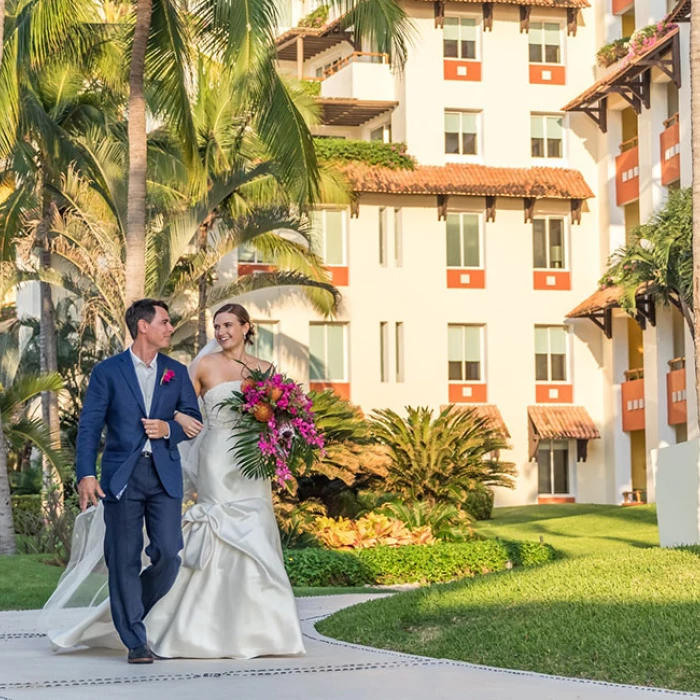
{"points": [[442, 459]]}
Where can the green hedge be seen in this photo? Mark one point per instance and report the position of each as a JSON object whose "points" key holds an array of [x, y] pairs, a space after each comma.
{"points": [[411, 564], [386, 155], [26, 512]]}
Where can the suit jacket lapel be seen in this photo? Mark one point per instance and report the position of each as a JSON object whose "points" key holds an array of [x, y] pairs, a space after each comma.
{"points": [[126, 365], [160, 368]]}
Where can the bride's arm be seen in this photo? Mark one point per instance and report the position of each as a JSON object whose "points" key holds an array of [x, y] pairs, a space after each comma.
{"points": [[191, 426]]}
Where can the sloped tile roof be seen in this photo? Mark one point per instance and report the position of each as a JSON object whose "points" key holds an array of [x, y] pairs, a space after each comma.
{"points": [[567, 422], [598, 301], [470, 179]]}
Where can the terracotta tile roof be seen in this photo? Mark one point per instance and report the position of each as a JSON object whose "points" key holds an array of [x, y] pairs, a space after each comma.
{"points": [[489, 411], [601, 87], [568, 422], [470, 179], [598, 301], [535, 3]]}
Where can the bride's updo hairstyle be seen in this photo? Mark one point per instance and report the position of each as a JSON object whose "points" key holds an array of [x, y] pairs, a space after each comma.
{"points": [[243, 317]]}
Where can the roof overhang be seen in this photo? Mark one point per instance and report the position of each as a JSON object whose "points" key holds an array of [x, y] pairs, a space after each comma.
{"points": [[550, 422], [341, 111], [311, 40], [631, 80]]}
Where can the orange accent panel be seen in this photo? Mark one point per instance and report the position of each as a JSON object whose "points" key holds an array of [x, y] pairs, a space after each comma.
{"points": [[676, 397], [633, 405], [454, 69], [551, 500], [252, 268], [342, 389], [670, 154], [340, 276], [551, 279], [547, 74], [621, 6], [627, 176], [544, 393], [466, 278], [475, 393]]}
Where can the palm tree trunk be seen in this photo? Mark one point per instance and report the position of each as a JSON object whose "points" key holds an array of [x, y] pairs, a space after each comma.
{"points": [[695, 140], [138, 144], [202, 239], [7, 527], [48, 352]]}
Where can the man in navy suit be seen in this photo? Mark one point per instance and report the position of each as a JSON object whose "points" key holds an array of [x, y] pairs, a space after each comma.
{"points": [[136, 394]]}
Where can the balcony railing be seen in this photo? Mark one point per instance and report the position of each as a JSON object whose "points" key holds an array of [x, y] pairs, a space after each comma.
{"points": [[356, 57], [670, 151], [627, 172], [633, 400], [676, 392], [361, 76]]}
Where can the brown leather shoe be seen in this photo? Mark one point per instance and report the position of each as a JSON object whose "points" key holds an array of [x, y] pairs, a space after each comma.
{"points": [[141, 655]]}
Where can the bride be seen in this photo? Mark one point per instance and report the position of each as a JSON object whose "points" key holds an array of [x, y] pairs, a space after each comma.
{"points": [[232, 597]]}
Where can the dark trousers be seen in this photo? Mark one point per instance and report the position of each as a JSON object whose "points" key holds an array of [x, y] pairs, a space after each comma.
{"points": [[134, 592]]}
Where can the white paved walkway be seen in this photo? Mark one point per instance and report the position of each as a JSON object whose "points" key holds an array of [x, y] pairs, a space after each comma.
{"points": [[331, 670]]}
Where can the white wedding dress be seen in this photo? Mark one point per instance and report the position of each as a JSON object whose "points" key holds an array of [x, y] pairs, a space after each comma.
{"points": [[232, 597]]}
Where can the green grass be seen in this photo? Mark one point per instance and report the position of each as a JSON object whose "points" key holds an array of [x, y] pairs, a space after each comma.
{"points": [[576, 530], [26, 581], [616, 608]]}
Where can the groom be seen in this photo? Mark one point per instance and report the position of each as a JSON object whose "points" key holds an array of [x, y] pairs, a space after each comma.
{"points": [[135, 394]]}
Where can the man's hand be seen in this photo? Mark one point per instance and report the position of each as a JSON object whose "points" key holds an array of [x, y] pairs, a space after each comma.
{"points": [[191, 426], [155, 428], [89, 490]]}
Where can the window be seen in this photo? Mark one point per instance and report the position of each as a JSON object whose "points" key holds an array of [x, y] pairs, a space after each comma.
{"points": [[398, 238], [460, 35], [463, 240], [399, 353], [546, 136], [327, 68], [264, 342], [462, 133], [545, 42], [384, 351], [247, 253], [330, 227], [327, 342], [464, 346], [548, 236], [381, 133], [553, 467], [383, 244], [550, 354]]}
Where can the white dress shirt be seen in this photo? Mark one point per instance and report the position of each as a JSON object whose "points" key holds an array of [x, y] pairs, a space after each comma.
{"points": [[146, 376]]}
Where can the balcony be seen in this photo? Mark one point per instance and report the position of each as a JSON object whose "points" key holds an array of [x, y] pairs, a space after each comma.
{"points": [[633, 400], [671, 151], [360, 76], [676, 392], [627, 173]]}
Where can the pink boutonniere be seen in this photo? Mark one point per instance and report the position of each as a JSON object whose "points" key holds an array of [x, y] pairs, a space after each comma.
{"points": [[167, 376]]}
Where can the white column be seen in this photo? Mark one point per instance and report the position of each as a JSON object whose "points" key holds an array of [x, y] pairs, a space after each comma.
{"points": [[615, 224], [650, 125], [658, 350], [649, 11], [618, 452], [684, 107]]}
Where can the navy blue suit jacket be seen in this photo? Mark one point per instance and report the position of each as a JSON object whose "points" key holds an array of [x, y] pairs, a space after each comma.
{"points": [[114, 399]]}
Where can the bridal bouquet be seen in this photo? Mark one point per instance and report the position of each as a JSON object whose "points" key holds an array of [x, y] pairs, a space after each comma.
{"points": [[276, 431]]}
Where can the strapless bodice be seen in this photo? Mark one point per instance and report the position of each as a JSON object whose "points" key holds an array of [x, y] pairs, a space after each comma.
{"points": [[217, 416]]}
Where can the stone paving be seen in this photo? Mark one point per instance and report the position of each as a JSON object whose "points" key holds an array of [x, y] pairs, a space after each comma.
{"points": [[331, 670]]}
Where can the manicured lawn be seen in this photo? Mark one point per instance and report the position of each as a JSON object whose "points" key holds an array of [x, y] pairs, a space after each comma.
{"points": [[576, 530], [616, 608]]}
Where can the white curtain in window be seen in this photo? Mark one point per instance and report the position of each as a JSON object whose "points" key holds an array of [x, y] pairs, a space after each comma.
{"points": [[336, 352], [455, 344]]}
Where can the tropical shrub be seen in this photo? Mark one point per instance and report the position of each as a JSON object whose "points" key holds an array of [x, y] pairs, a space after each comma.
{"points": [[446, 522], [385, 155], [479, 503], [441, 460], [295, 521], [26, 512], [612, 52], [321, 567], [315, 19]]}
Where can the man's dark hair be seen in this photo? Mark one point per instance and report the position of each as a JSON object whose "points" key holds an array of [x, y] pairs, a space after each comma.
{"points": [[142, 309]]}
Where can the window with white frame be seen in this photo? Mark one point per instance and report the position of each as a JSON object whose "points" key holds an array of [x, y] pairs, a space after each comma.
{"points": [[327, 68], [399, 340], [264, 342], [462, 133], [546, 136], [329, 225], [460, 38], [381, 133], [463, 240], [383, 234], [553, 467], [545, 42], [549, 243], [551, 354], [248, 253], [464, 353], [328, 352]]}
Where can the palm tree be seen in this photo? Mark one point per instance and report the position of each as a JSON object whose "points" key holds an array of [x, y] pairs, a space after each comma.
{"points": [[7, 526], [441, 460], [695, 140]]}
